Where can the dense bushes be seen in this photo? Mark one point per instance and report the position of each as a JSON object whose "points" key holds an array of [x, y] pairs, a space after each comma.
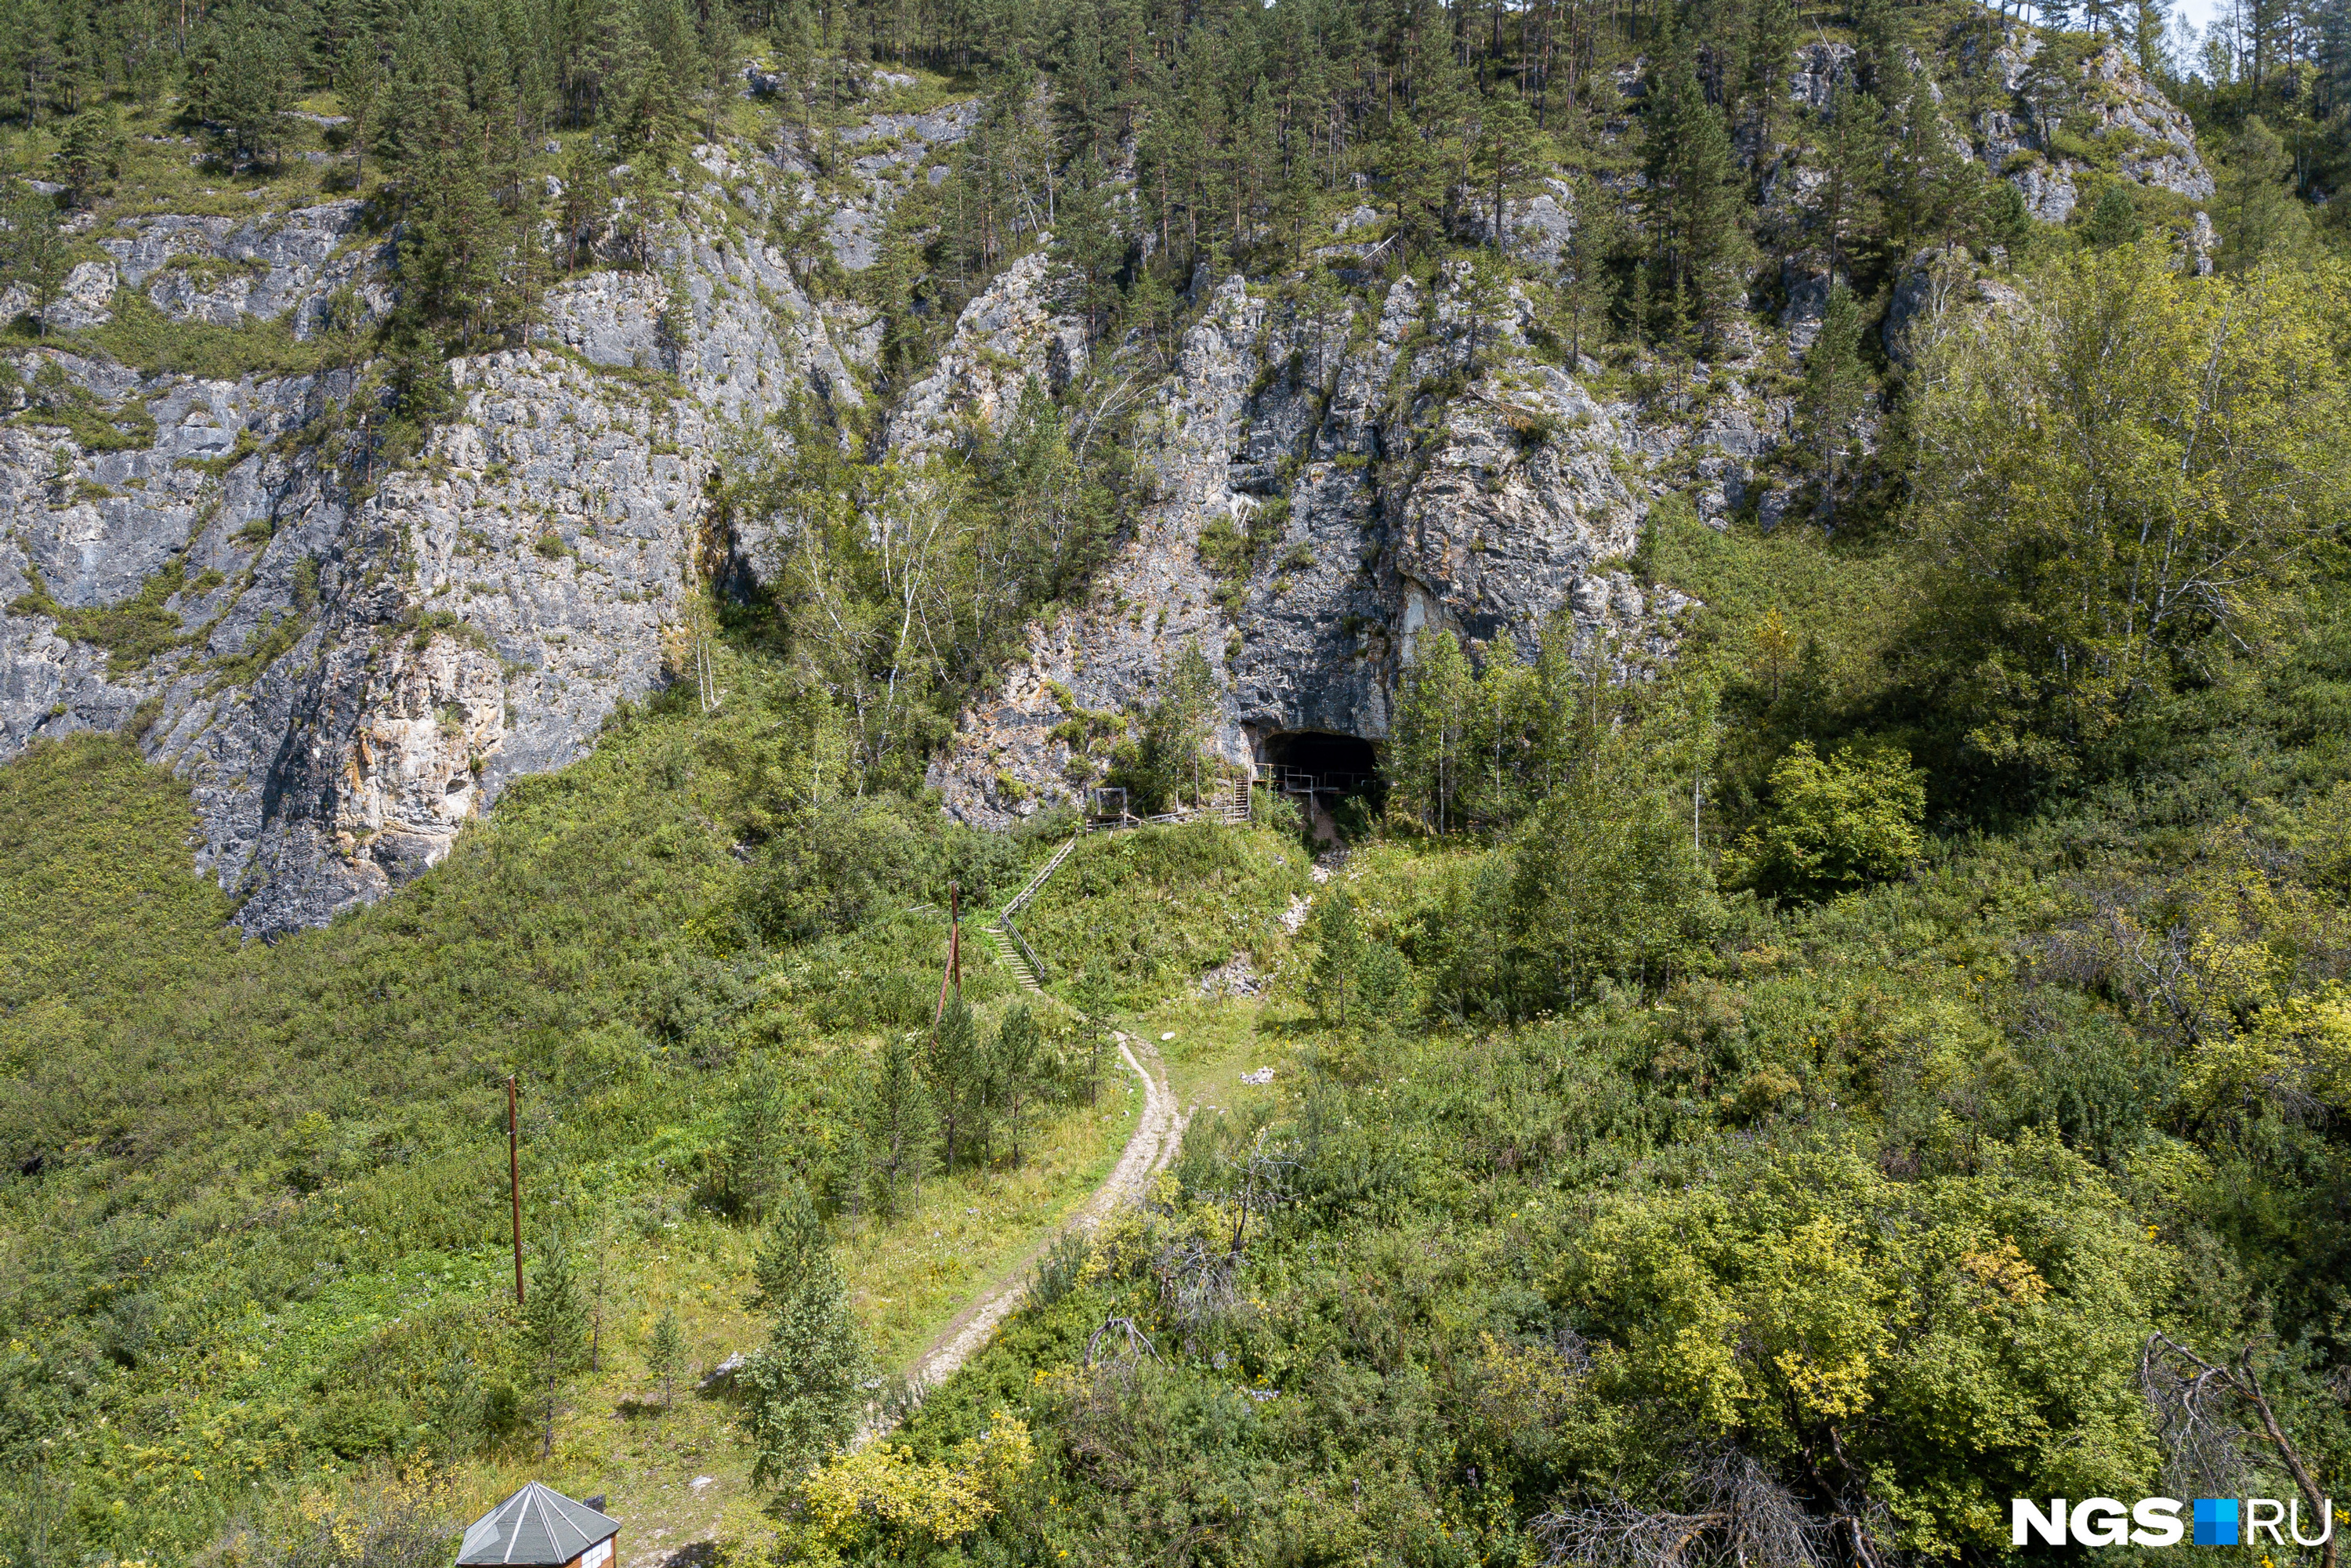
{"points": [[1423, 1310], [1186, 899], [252, 1195], [847, 861]]}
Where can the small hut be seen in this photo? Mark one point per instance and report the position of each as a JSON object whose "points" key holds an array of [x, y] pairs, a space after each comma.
{"points": [[538, 1527]]}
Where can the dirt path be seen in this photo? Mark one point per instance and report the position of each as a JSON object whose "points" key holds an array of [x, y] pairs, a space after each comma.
{"points": [[1157, 1131]]}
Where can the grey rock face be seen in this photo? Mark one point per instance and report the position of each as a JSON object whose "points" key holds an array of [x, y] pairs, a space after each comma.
{"points": [[1805, 281], [612, 319], [1536, 227], [1008, 335], [1820, 69], [219, 270], [2105, 99], [1484, 514], [1334, 467], [883, 154], [85, 298], [357, 673]]}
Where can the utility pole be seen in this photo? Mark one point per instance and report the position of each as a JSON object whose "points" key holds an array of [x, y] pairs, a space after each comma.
{"points": [[514, 1182]]}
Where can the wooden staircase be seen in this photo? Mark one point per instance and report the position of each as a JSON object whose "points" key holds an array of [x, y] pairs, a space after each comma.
{"points": [[1019, 900], [1005, 937], [1010, 951], [1230, 803]]}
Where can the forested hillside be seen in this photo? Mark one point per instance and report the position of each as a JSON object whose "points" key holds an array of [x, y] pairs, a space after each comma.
{"points": [[1772, 576]]}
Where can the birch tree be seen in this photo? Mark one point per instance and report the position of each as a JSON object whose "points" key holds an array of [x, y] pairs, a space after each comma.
{"points": [[2121, 481]]}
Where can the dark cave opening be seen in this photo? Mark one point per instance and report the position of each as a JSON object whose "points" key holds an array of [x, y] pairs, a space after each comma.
{"points": [[1330, 766]]}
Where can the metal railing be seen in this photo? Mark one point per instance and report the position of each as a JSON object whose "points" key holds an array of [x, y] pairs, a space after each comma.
{"points": [[1036, 965], [1298, 781]]}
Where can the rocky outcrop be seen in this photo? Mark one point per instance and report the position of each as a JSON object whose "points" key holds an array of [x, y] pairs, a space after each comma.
{"points": [[349, 663], [2062, 111], [1007, 337], [1312, 444], [1536, 226], [347, 672], [1932, 284], [2059, 101], [870, 164], [221, 269]]}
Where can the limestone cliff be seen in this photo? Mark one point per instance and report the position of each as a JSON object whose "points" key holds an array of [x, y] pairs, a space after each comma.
{"points": [[345, 675], [348, 663]]}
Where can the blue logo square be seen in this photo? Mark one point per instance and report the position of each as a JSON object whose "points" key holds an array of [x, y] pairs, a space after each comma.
{"points": [[2216, 1521]]}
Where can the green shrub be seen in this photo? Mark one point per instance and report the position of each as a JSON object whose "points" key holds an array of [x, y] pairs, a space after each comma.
{"points": [[1832, 825], [56, 399], [145, 339], [846, 862], [132, 633]]}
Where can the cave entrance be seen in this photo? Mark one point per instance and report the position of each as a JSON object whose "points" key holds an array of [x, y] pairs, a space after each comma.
{"points": [[1314, 762]]}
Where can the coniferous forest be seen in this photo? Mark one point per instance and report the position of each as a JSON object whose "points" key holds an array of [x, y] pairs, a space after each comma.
{"points": [[1543, 782]]}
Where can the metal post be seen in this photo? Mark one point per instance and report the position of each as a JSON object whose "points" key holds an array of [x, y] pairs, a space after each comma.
{"points": [[514, 1182]]}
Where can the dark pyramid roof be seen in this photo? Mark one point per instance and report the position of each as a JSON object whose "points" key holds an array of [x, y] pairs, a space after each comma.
{"points": [[535, 1528]]}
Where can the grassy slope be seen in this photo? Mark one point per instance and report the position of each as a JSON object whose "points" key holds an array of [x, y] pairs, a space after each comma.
{"points": [[248, 1188], [1948, 1049]]}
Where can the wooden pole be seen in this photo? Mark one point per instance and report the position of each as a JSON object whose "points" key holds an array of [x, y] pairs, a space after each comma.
{"points": [[955, 936], [514, 1182], [947, 976]]}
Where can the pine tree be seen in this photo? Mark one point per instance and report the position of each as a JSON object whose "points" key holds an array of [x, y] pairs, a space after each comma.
{"points": [[1775, 27], [1487, 293], [34, 251], [792, 37], [1837, 384], [554, 1328], [955, 1075], [1511, 155], [1432, 715], [1016, 1067], [1338, 952], [1085, 95], [243, 76], [1688, 155], [2149, 27], [665, 1354], [1883, 31], [1587, 287], [1558, 727], [2257, 211], [91, 154], [1851, 156], [1088, 249], [755, 1138], [803, 1390], [359, 79], [1256, 167], [2114, 221], [895, 1123], [722, 64], [1414, 162], [1495, 744], [1930, 189], [582, 179]]}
